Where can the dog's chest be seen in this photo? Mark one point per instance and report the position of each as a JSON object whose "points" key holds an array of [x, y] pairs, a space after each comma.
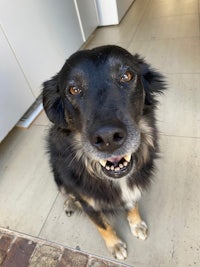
{"points": [[129, 196]]}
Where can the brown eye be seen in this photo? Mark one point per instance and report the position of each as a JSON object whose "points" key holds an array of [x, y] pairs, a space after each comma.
{"points": [[74, 90], [126, 77]]}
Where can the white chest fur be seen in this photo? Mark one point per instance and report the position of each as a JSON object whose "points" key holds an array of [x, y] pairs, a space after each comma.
{"points": [[129, 196]]}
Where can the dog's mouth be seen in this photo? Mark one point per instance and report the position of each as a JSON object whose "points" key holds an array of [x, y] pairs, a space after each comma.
{"points": [[117, 167]]}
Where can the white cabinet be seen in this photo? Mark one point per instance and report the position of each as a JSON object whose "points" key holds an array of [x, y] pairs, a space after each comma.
{"points": [[14, 89], [37, 37], [42, 35], [88, 16], [112, 11]]}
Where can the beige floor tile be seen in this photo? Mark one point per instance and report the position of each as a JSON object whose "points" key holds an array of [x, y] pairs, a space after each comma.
{"points": [[160, 8], [107, 34], [168, 27], [124, 32], [179, 109], [73, 231], [42, 120], [111, 35], [170, 55], [171, 209], [27, 190]]}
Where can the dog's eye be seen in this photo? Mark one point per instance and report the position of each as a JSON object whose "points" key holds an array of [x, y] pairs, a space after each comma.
{"points": [[74, 90], [126, 77]]}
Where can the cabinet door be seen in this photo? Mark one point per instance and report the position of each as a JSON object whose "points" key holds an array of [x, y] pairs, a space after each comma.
{"points": [[87, 11], [15, 94], [42, 33]]}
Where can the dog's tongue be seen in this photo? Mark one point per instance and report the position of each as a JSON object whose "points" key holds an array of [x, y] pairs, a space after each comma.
{"points": [[114, 159]]}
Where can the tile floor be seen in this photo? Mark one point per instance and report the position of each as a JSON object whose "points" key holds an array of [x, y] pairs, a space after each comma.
{"points": [[167, 34]]}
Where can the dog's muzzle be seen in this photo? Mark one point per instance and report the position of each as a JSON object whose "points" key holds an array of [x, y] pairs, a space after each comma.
{"points": [[108, 139]]}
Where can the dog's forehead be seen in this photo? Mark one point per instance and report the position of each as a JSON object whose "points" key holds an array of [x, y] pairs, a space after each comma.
{"points": [[101, 59]]}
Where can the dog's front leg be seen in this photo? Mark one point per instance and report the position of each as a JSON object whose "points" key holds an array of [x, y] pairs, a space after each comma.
{"points": [[114, 244], [137, 225]]}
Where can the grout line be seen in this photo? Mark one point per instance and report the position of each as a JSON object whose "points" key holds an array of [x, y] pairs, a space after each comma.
{"points": [[172, 38], [180, 136], [174, 15], [198, 7], [42, 227], [39, 125], [174, 73]]}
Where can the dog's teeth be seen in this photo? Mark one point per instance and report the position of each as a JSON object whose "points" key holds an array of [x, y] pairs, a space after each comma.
{"points": [[125, 163], [117, 166], [127, 157], [103, 162]]}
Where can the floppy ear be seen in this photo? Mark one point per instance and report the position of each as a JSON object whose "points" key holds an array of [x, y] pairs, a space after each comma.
{"points": [[52, 102], [153, 81]]}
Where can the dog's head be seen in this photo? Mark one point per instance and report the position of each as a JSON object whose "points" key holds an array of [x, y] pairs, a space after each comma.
{"points": [[103, 97]]}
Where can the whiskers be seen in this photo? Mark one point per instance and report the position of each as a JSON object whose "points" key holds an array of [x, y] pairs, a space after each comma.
{"points": [[77, 157]]}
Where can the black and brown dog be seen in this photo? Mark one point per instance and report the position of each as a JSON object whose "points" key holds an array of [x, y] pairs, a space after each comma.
{"points": [[104, 138]]}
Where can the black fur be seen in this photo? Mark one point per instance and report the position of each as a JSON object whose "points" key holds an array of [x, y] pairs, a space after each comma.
{"points": [[77, 140]]}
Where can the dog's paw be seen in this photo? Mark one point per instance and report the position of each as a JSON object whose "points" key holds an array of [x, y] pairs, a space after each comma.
{"points": [[119, 250], [69, 207], [139, 230]]}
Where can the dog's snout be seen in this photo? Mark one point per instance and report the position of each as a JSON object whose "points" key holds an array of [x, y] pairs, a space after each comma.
{"points": [[108, 138]]}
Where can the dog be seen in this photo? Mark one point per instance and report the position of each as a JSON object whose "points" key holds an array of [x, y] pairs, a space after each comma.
{"points": [[104, 139]]}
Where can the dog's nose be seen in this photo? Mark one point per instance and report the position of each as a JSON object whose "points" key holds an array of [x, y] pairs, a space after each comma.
{"points": [[108, 138]]}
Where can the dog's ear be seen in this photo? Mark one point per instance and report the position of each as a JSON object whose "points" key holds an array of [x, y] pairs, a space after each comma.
{"points": [[52, 102], [153, 82]]}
